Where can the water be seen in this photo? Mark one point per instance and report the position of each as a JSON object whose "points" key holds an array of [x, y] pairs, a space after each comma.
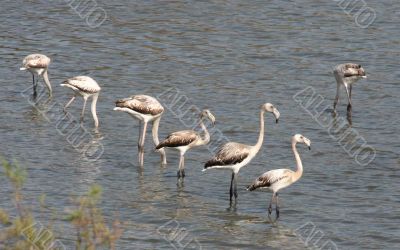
{"points": [[230, 57]]}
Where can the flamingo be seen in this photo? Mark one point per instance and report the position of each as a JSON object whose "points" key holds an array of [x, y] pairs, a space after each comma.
{"points": [[234, 155], [346, 74], [277, 179], [146, 109], [187, 139], [38, 65], [86, 87]]}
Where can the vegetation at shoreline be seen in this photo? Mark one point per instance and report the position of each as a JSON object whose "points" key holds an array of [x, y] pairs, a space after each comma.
{"points": [[24, 232]]}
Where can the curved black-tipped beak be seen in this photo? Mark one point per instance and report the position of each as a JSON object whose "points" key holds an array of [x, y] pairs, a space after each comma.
{"points": [[276, 120], [309, 147]]}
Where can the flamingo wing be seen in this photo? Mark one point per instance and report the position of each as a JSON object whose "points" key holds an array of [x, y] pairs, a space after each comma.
{"points": [[229, 154], [177, 139], [270, 178], [83, 83], [142, 104]]}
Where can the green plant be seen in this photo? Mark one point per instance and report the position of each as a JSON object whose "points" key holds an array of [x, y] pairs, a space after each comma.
{"points": [[25, 233], [89, 222]]}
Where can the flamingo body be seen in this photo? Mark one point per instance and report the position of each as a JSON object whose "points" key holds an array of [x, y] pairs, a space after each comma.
{"points": [[86, 87], [346, 75], [187, 139], [278, 179], [234, 156], [146, 109]]}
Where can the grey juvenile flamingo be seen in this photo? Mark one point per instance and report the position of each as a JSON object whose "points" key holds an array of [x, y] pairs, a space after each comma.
{"points": [[346, 75], [146, 109], [86, 87], [234, 156], [187, 139], [277, 179], [38, 65]]}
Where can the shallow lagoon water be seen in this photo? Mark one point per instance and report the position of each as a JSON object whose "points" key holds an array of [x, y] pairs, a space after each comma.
{"points": [[230, 57]]}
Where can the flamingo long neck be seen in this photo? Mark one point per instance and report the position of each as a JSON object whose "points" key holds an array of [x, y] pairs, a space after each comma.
{"points": [[299, 170], [156, 141], [261, 135], [340, 79], [47, 82], [93, 109], [206, 139]]}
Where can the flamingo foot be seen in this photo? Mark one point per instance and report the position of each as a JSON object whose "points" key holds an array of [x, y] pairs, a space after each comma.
{"points": [[181, 173]]}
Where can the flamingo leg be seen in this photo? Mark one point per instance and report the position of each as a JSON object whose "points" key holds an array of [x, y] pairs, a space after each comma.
{"points": [[348, 91], [181, 171], [140, 135], [231, 189], [235, 186], [336, 98], [277, 206], [351, 87], [349, 106], [34, 83], [270, 204], [140, 140], [141, 144], [83, 109], [69, 103]]}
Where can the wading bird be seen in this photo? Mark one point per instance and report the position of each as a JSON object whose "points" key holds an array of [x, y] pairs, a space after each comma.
{"points": [[146, 109], [234, 155], [346, 74], [187, 139], [86, 87], [277, 179], [37, 64]]}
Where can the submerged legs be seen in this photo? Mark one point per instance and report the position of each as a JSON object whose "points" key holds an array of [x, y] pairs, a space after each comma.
{"points": [[336, 98], [348, 91], [34, 83], [274, 198], [233, 189], [181, 171], [277, 206], [270, 205]]}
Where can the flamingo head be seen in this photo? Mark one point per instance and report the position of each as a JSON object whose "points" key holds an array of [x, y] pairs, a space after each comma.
{"points": [[268, 107]]}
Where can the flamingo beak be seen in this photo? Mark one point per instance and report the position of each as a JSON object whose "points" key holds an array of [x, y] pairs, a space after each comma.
{"points": [[309, 147], [212, 118], [276, 114]]}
